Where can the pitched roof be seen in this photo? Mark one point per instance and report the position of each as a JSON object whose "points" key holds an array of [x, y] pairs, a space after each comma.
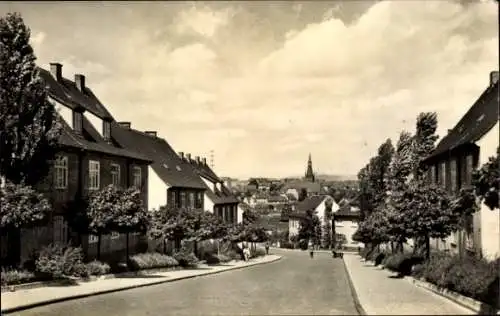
{"points": [[477, 121], [277, 198], [345, 211], [223, 196], [66, 93], [166, 163], [310, 203]]}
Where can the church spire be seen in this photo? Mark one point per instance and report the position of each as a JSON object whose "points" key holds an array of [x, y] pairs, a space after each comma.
{"points": [[309, 173]]}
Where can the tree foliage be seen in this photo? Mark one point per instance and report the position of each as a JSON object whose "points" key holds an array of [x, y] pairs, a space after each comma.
{"points": [[310, 228], [302, 194], [129, 214], [20, 206], [29, 127], [486, 181]]}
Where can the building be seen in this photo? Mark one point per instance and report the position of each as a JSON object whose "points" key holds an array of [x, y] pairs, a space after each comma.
{"points": [[317, 204], [172, 180], [218, 198], [466, 147], [346, 223], [309, 176], [89, 160]]}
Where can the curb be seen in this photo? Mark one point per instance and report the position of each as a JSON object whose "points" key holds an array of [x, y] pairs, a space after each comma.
{"points": [[355, 298], [78, 296], [464, 301]]}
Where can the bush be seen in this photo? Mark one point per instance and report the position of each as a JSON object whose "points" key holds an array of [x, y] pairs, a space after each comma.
{"points": [[186, 258], [402, 263], [258, 252], [61, 261], [151, 260], [233, 254], [469, 276], [98, 268], [379, 258], [11, 277], [216, 259], [286, 245]]}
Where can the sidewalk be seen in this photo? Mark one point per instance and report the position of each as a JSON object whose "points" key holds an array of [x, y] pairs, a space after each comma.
{"points": [[379, 294], [29, 298]]}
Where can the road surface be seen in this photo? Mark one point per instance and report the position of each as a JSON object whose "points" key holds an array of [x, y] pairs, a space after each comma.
{"points": [[295, 285]]}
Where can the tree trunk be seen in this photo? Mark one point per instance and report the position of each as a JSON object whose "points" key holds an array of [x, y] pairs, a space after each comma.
{"points": [[195, 248], [177, 244], [218, 247], [427, 247], [334, 233], [399, 247], [98, 247], [392, 247], [164, 246], [127, 251]]}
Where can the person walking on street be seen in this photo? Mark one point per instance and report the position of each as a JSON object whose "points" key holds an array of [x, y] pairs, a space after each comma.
{"points": [[311, 250], [267, 247]]}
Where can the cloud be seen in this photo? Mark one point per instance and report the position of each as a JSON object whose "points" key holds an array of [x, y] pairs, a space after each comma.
{"points": [[263, 87]]}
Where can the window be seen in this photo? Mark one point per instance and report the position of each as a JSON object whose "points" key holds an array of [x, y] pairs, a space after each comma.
{"points": [[115, 235], [191, 199], [106, 130], [136, 177], [94, 175], [60, 230], [183, 199], [442, 171], [433, 174], [61, 172], [77, 121], [199, 199], [93, 239], [453, 175], [115, 174], [469, 166], [173, 199]]}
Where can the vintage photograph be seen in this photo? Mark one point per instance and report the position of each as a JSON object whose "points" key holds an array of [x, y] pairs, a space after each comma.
{"points": [[333, 157]]}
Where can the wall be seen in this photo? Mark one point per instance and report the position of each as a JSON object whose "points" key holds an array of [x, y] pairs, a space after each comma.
{"points": [[157, 190], [95, 121], [208, 203], [489, 220], [348, 228], [293, 227], [239, 214]]}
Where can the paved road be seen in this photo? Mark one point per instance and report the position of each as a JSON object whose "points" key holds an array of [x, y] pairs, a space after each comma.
{"points": [[295, 285]]}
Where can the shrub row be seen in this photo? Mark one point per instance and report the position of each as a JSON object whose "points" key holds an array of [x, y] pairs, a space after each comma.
{"points": [[151, 260], [258, 252], [469, 276], [403, 263], [11, 277], [185, 258], [216, 259]]}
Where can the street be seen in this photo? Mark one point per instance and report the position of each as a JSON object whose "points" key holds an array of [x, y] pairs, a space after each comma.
{"points": [[294, 285]]}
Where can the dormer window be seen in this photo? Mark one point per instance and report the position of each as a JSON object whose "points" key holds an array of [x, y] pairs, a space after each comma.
{"points": [[77, 121], [106, 130]]}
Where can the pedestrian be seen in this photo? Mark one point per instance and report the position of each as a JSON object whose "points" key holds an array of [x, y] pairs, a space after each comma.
{"points": [[267, 247], [311, 250]]}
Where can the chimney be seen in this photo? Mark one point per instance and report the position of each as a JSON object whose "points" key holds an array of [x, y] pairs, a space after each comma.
{"points": [[56, 71], [493, 77], [188, 157], [205, 161], [80, 82], [197, 158], [151, 133], [125, 125], [181, 154]]}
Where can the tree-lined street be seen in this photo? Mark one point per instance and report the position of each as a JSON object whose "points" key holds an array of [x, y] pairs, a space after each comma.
{"points": [[295, 285]]}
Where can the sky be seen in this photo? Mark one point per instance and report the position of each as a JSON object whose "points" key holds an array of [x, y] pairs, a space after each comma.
{"points": [[263, 83]]}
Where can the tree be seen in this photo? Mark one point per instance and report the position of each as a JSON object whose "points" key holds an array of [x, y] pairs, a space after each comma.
{"points": [[424, 141], [397, 182], [171, 223], [129, 214], [253, 182], [486, 182], [302, 194], [430, 213], [310, 228], [29, 127], [20, 206], [100, 213], [329, 227]]}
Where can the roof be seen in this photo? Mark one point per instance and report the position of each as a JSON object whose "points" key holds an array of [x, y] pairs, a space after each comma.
{"points": [[310, 203], [66, 93], [309, 186], [166, 163], [346, 211], [276, 198], [222, 196], [477, 121]]}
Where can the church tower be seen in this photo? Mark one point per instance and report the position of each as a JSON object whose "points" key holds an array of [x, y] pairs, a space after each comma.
{"points": [[309, 173]]}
